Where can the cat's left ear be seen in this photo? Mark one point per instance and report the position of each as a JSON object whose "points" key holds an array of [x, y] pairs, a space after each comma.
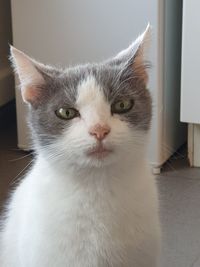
{"points": [[133, 59], [31, 78]]}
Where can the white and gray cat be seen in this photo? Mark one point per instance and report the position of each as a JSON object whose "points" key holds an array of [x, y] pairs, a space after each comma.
{"points": [[90, 199]]}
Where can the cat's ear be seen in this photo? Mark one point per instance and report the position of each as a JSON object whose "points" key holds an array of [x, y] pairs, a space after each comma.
{"points": [[133, 59], [30, 77]]}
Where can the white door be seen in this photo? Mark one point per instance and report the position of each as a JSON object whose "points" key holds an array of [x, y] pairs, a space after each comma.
{"points": [[190, 81]]}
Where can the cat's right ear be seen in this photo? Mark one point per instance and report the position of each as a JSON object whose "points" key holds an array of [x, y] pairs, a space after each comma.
{"points": [[30, 78], [133, 60]]}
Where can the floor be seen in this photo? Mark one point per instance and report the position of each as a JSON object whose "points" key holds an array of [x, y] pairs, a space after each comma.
{"points": [[179, 190]]}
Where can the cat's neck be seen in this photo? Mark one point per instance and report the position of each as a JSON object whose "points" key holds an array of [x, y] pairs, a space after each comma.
{"points": [[124, 170]]}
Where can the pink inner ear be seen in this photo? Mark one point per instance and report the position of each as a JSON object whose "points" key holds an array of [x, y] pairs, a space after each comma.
{"points": [[30, 93], [139, 69]]}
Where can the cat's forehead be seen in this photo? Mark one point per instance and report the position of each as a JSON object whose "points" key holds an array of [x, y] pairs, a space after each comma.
{"points": [[102, 72], [86, 83], [89, 91]]}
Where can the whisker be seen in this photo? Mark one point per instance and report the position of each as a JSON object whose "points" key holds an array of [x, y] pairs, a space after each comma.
{"points": [[13, 181], [28, 155]]}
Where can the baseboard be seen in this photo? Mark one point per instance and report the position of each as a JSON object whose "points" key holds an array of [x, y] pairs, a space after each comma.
{"points": [[194, 145]]}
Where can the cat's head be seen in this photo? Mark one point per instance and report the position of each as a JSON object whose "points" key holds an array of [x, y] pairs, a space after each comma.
{"points": [[90, 115]]}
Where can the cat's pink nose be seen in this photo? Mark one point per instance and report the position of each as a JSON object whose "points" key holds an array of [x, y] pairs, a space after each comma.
{"points": [[99, 131]]}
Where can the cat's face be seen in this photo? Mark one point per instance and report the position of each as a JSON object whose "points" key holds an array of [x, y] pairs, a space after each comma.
{"points": [[90, 115]]}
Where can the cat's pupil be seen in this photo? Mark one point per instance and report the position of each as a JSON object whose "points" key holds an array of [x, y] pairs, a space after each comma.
{"points": [[67, 112], [121, 105]]}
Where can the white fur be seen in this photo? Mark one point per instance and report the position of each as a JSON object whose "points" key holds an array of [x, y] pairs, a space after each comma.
{"points": [[75, 211]]}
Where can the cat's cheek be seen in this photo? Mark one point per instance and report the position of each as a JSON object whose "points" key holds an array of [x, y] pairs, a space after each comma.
{"points": [[76, 134], [77, 120], [119, 127]]}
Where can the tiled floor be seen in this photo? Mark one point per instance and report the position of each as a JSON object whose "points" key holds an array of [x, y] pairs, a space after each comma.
{"points": [[179, 189]]}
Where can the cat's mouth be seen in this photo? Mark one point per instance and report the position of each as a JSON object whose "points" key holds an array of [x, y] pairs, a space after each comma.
{"points": [[99, 151]]}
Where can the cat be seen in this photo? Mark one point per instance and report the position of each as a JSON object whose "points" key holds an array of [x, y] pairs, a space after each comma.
{"points": [[89, 199]]}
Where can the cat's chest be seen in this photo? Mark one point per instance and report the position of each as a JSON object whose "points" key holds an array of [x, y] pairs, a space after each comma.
{"points": [[87, 210], [67, 221], [81, 220]]}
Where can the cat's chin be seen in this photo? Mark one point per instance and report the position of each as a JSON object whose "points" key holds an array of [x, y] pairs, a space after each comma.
{"points": [[99, 161], [99, 156], [99, 152]]}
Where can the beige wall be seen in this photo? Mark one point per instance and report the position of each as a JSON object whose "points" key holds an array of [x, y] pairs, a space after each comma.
{"points": [[6, 77]]}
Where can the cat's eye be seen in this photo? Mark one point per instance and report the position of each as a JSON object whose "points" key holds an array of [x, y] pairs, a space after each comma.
{"points": [[67, 113], [122, 106]]}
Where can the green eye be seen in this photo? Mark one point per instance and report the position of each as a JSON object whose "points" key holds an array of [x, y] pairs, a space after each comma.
{"points": [[67, 114], [122, 106]]}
